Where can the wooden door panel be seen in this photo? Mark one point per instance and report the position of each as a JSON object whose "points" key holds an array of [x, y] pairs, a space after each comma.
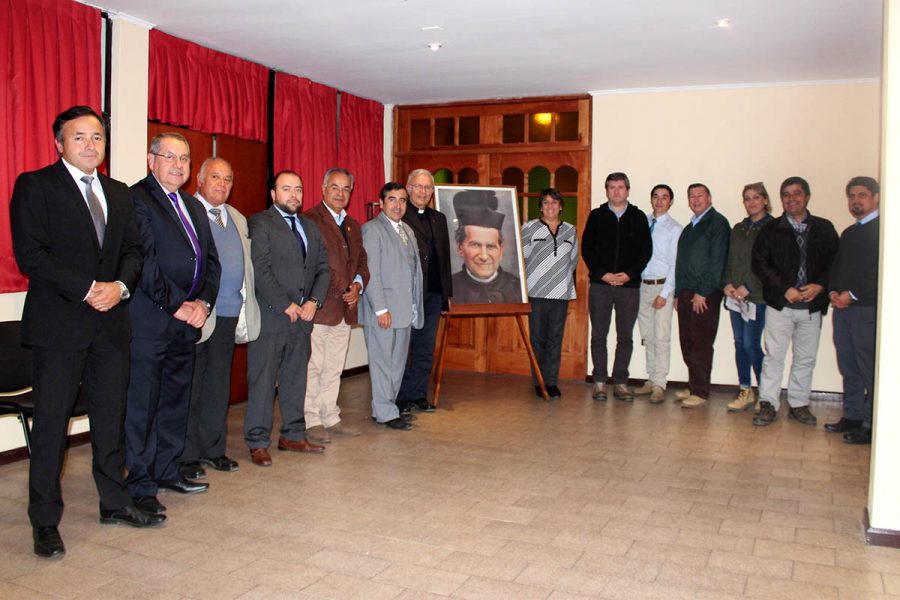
{"points": [[248, 160]]}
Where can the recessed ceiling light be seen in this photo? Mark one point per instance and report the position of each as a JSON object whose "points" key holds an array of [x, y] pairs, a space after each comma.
{"points": [[435, 46], [723, 23], [433, 28]]}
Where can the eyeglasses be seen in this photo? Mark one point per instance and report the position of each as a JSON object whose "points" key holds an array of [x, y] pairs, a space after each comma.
{"points": [[170, 158], [425, 188]]}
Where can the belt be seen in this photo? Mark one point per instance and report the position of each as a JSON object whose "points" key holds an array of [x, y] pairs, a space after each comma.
{"points": [[653, 281]]}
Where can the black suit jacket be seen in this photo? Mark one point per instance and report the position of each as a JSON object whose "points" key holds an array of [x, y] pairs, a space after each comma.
{"points": [[169, 261], [441, 242], [56, 247], [281, 274]]}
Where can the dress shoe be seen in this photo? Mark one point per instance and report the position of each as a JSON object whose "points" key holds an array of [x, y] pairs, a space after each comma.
{"points": [[539, 392], [317, 435], [340, 429], [860, 435], [645, 389], [130, 515], [398, 424], [47, 542], [658, 395], [221, 463], [184, 486], [554, 392], [299, 446], [260, 457], [599, 392], [149, 505], [404, 406], [744, 400], [623, 392], [193, 470], [682, 394], [766, 415], [802, 414], [422, 404], [693, 401], [843, 426]]}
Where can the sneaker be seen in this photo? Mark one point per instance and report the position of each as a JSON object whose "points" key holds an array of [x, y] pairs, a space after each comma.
{"points": [[693, 401], [682, 394], [802, 414], [657, 396], [599, 392], [744, 400], [766, 416], [317, 435], [645, 389], [623, 392]]}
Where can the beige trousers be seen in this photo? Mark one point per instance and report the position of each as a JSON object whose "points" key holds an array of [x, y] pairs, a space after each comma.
{"points": [[326, 363]]}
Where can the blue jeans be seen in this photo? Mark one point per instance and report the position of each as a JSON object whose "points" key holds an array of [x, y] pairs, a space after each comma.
{"points": [[747, 347]]}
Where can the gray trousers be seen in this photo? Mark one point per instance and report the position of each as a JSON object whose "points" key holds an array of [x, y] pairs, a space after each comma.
{"points": [[799, 329], [854, 341], [276, 358], [387, 361], [602, 300]]}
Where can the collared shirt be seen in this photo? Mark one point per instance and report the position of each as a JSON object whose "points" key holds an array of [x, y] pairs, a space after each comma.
{"points": [[339, 220], [223, 214], [618, 213], [287, 221], [868, 217], [799, 226], [665, 250], [181, 204], [697, 218], [77, 174]]}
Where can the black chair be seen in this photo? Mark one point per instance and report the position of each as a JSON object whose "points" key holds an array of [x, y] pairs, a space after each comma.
{"points": [[16, 377]]}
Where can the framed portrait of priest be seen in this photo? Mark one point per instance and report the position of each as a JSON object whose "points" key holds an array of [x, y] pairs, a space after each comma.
{"points": [[485, 244]]}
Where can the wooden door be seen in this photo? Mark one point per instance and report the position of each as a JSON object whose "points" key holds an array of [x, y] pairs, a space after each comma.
{"points": [[493, 344]]}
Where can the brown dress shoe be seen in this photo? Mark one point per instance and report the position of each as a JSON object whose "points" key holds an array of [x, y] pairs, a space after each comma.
{"points": [[299, 446], [260, 457]]}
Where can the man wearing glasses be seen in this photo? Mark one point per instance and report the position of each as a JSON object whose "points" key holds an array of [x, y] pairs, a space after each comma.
{"points": [[433, 241], [176, 292]]}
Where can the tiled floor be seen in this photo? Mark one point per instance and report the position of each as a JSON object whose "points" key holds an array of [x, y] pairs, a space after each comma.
{"points": [[497, 495]]}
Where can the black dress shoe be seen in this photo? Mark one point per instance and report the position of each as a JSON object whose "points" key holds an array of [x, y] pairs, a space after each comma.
{"points": [[843, 426], [192, 470], [184, 486], [129, 515], [404, 406], [422, 404], [553, 391], [861, 435], [221, 463], [47, 542], [149, 505], [398, 424]]}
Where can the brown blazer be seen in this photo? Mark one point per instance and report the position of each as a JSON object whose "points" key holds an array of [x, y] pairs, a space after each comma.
{"points": [[346, 261]]}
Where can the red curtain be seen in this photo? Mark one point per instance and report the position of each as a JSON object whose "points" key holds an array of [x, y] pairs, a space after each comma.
{"points": [[361, 149], [52, 52], [205, 90], [305, 131]]}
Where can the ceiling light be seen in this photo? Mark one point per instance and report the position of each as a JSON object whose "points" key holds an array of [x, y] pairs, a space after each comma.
{"points": [[543, 118], [435, 46], [433, 28], [723, 23]]}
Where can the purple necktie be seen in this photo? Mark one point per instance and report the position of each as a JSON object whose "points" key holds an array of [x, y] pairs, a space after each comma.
{"points": [[194, 241]]}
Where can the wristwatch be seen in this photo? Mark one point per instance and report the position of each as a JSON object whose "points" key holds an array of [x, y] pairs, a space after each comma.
{"points": [[124, 294], [208, 307], [316, 300]]}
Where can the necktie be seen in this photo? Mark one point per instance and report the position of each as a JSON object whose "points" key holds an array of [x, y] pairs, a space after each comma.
{"points": [[652, 224], [192, 235], [343, 228], [217, 215], [95, 208], [297, 235], [403, 235]]}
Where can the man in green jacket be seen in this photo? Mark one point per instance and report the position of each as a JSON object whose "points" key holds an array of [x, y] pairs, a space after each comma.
{"points": [[702, 252]]}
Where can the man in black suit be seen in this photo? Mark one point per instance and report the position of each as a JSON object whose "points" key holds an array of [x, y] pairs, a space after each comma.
{"points": [[177, 289], [74, 236], [433, 241], [290, 265]]}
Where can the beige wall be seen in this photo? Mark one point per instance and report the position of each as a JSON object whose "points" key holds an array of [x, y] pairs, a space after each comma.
{"points": [[727, 138]]}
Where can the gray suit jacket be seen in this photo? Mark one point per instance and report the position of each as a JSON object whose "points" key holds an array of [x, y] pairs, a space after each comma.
{"points": [[281, 275], [395, 281], [249, 319]]}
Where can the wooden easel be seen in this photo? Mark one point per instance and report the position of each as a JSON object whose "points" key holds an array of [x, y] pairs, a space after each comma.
{"points": [[484, 310]]}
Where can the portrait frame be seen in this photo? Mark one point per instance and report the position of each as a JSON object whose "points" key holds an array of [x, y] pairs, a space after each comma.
{"points": [[512, 262]]}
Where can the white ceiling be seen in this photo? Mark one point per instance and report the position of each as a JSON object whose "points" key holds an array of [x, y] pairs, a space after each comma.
{"points": [[505, 48]]}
